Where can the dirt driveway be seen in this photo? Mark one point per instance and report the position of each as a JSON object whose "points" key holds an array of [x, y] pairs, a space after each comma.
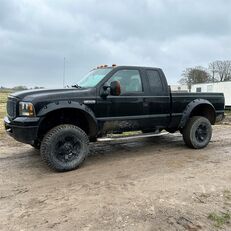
{"points": [[148, 184]]}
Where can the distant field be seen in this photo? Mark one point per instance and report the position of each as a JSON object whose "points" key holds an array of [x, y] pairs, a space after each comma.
{"points": [[3, 98]]}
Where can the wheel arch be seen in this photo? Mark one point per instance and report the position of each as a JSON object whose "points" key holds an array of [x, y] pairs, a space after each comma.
{"points": [[198, 107], [78, 114]]}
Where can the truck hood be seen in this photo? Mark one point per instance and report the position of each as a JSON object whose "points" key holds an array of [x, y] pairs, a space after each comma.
{"points": [[53, 94]]}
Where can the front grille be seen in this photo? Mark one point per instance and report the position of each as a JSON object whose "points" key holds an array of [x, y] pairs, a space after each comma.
{"points": [[11, 107]]}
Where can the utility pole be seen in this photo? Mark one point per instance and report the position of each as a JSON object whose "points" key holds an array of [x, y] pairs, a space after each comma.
{"points": [[213, 72], [64, 69]]}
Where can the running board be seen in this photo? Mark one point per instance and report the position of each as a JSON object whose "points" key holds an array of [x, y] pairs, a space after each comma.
{"points": [[131, 136]]}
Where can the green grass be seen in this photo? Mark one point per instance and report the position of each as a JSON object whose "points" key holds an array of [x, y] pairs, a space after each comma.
{"points": [[3, 99], [219, 219], [228, 112]]}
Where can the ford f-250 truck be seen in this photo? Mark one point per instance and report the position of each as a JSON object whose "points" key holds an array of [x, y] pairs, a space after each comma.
{"points": [[61, 122]]}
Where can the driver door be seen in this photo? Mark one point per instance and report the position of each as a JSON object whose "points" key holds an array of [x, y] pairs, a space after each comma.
{"points": [[127, 109]]}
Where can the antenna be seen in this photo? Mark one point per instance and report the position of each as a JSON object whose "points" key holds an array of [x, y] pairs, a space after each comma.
{"points": [[64, 69]]}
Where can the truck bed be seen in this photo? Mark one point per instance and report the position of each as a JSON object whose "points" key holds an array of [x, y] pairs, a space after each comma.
{"points": [[181, 100]]}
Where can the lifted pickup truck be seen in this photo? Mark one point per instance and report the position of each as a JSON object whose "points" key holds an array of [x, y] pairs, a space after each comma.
{"points": [[61, 122]]}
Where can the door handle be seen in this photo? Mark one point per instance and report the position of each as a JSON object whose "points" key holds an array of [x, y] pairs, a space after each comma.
{"points": [[146, 104]]}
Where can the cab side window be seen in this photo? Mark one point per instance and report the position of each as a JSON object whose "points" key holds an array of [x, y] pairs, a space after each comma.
{"points": [[155, 82], [130, 81]]}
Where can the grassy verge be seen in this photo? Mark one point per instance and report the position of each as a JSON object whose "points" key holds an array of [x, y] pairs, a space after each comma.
{"points": [[228, 112], [220, 219], [3, 98]]}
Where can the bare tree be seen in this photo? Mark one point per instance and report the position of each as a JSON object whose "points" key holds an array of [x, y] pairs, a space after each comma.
{"points": [[195, 75], [221, 70]]}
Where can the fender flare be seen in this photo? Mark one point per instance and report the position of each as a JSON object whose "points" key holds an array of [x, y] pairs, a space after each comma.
{"points": [[87, 112], [190, 107]]}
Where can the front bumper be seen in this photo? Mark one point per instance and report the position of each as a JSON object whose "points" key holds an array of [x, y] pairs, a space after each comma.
{"points": [[22, 129]]}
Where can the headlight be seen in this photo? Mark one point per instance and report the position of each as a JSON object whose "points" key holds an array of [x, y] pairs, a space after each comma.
{"points": [[26, 109]]}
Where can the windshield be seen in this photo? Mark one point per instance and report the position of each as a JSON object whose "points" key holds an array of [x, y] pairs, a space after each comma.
{"points": [[93, 77]]}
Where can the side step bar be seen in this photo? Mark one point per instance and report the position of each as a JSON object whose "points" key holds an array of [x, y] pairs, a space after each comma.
{"points": [[129, 137]]}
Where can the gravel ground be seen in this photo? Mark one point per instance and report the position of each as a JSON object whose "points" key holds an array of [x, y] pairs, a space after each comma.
{"points": [[139, 184]]}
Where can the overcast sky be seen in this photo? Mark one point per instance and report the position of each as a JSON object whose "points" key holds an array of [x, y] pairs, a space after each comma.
{"points": [[36, 35]]}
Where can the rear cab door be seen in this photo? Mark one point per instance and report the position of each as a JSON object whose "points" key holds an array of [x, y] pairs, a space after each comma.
{"points": [[158, 101]]}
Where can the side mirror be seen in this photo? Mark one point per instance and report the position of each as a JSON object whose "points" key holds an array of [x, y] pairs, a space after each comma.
{"points": [[115, 88], [105, 90], [106, 86]]}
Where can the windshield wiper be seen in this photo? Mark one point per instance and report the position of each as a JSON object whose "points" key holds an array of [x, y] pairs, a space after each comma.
{"points": [[76, 86]]}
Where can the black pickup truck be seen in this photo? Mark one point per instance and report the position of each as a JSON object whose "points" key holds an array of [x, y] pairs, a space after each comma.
{"points": [[61, 122]]}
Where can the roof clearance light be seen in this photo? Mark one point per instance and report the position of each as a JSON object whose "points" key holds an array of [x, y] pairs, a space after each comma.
{"points": [[105, 65], [113, 65]]}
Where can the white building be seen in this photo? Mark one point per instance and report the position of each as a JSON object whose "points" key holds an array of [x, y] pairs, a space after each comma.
{"points": [[180, 88], [224, 87]]}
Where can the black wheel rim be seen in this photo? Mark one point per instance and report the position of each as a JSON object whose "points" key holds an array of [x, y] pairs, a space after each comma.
{"points": [[67, 148], [201, 133]]}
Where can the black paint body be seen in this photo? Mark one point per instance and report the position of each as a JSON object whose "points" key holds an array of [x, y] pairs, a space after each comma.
{"points": [[145, 110]]}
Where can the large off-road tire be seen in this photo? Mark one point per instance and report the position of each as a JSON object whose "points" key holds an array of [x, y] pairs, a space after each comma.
{"points": [[65, 147], [197, 132]]}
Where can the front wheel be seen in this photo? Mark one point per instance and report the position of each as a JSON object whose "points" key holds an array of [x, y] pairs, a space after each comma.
{"points": [[197, 132], [65, 147]]}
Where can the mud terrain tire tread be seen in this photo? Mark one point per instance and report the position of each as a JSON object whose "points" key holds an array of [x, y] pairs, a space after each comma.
{"points": [[48, 141], [189, 132]]}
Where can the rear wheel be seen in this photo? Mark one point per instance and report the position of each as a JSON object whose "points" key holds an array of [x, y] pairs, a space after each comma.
{"points": [[197, 132], [65, 147]]}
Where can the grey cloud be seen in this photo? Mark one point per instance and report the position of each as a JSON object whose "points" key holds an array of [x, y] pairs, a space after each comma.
{"points": [[172, 34]]}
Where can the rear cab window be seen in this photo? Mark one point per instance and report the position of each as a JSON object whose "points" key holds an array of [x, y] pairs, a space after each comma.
{"points": [[155, 82]]}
